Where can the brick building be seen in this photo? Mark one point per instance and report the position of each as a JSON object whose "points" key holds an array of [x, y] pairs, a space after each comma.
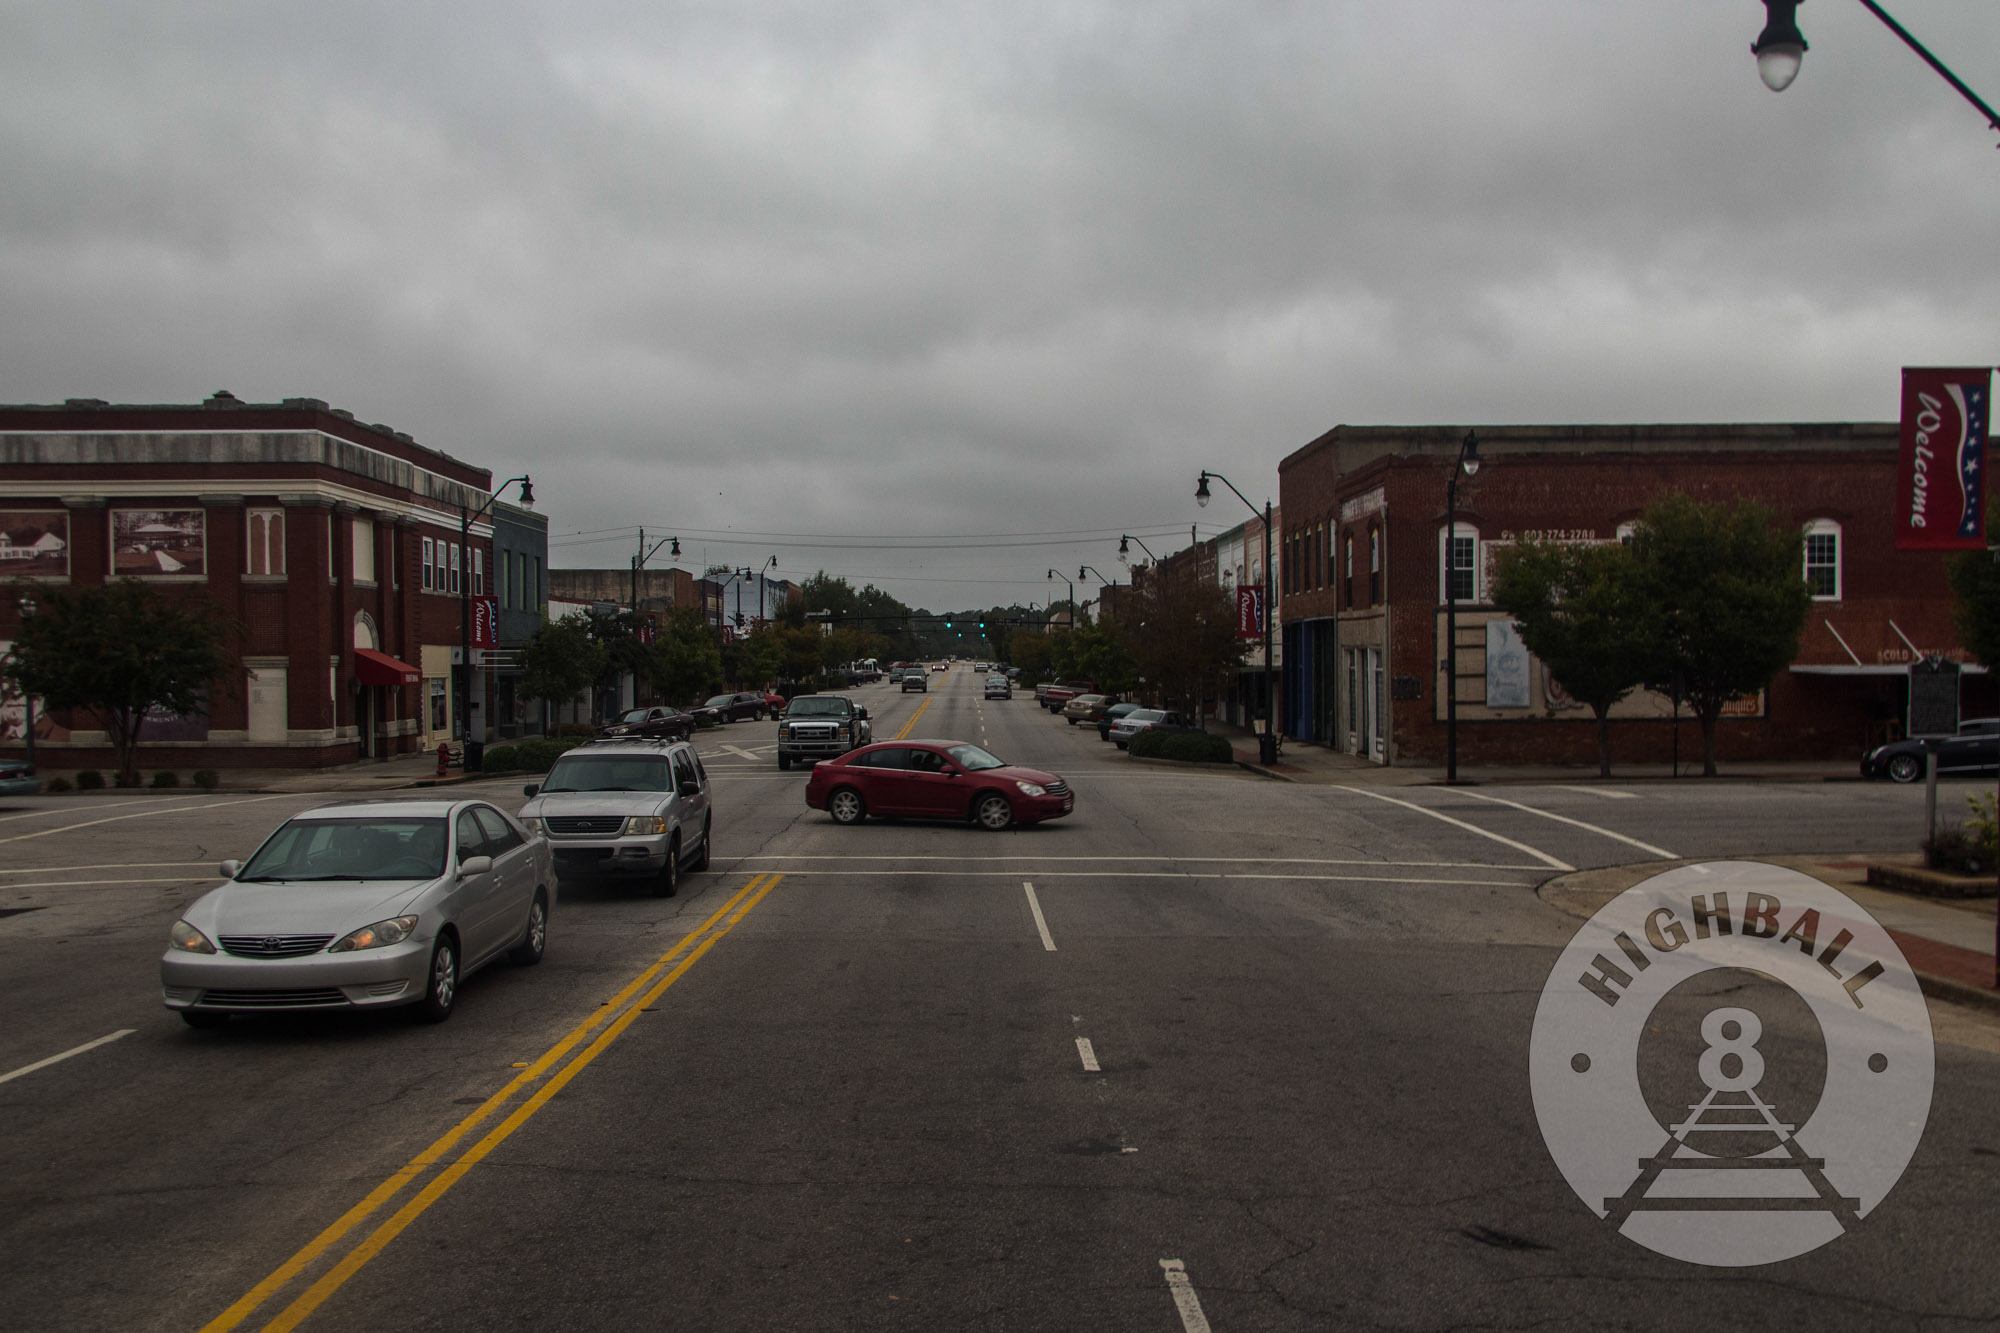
{"points": [[335, 543], [1366, 553]]}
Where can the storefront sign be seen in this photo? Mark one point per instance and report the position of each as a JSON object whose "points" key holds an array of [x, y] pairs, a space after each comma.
{"points": [[1940, 470]]}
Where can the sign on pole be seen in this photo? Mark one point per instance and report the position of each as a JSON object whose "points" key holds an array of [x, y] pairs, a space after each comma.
{"points": [[1250, 611], [1933, 699], [1941, 466]]}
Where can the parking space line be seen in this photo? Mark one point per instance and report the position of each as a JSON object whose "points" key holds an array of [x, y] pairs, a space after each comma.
{"points": [[1041, 922], [74, 1050], [1088, 1054], [430, 1156], [1608, 793], [1648, 847], [101, 865], [92, 883], [167, 810], [1185, 1301], [1541, 856]]}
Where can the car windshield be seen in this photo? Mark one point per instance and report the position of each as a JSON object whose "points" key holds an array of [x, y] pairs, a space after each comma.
{"points": [[719, 700], [609, 772], [811, 706], [348, 849], [972, 759], [636, 715]]}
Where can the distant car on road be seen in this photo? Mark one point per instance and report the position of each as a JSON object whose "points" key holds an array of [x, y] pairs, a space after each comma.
{"points": [[363, 907], [1975, 749], [821, 726], [1055, 696], [936, 780], [1085, 708], [657, 721], [940, 666], [1147, 719], [999, 687], [916, 678], [734, 707], [625, 807]]}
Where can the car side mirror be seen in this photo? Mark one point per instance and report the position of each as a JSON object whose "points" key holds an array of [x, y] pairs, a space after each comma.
{"points": [[861, 713], [474, 865], [530, 789], [690, 788], [228, 869]]}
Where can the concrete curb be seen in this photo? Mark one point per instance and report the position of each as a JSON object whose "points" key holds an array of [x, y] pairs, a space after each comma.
{"points": [[1580, 893]]}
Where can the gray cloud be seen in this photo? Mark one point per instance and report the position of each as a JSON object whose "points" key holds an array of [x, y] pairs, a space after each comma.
{"points": [[957, 268]]}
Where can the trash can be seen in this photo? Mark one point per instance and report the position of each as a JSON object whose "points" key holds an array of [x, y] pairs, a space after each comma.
{"points": [[1267, 748], [475, 756]]}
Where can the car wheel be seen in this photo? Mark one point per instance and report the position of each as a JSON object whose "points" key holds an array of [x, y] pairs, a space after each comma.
{"points": [[992, 812], [846, 806], [668, 882], [784, 761], [440, 985], [204, 1018], [1906, 768], [1119, 744], [1072, 721], [536, 937], [707, 834]]}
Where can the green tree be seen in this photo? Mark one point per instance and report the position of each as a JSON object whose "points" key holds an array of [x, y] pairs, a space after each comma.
{"points": [[1726, 589], [1030, 651], [1580, 610], [121, 650], [1102, 653], [1975, 582], [1183, 640], [759, 658], [562, 661], [684, 663]]}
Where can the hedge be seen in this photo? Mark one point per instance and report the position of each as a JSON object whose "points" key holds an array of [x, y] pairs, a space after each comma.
{"points": [[536, 755], [1195, 747]]}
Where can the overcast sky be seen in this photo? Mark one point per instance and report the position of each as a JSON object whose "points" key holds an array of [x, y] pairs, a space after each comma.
{"points": [[999, 276]]}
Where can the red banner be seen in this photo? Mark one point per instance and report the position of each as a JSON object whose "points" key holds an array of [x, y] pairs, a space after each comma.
{"points": [[1250, 611], [485, 627], [1941, 468]]}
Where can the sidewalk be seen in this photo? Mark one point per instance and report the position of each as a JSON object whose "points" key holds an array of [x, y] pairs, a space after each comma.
{"points": [[369, 775]]}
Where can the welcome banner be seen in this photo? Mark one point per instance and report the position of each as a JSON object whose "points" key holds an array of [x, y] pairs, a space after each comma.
{"points": [[1941, 469]]}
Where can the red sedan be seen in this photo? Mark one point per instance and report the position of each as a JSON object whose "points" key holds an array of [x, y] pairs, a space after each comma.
{"points": [[935, 780]]}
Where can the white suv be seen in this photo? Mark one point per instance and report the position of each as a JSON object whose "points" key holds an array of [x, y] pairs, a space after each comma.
{"points": [[625, 806]]}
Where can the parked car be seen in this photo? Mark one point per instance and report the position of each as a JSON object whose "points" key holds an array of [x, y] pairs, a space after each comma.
{"points": [[936, 780], [734, 707], [916, 678], [999, 687], [17, 778], [1110, 715], [1085, 708], [821, 726], [774, 704], [1148, 719], [363, 907], [658, 721], [627, 807], [1056, 696], [1975, 749]]}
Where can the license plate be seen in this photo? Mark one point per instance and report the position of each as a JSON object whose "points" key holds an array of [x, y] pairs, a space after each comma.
{"points": [[1069, 802]]}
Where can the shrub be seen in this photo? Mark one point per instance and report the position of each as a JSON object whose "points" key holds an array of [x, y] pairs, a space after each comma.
{"points": [[120, 780], [1196, 747], [539, 754], [90, 780], [500, 759], [561, 729], [704, 720], [166, 777], [207, 779], [57, 783]]}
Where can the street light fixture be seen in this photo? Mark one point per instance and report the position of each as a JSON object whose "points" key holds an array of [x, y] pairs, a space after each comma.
{"points": [[1468, 464], [1267, 740], [466, 518], [1072, 596], [1125, 550], [1781, 47], [646, 553]]}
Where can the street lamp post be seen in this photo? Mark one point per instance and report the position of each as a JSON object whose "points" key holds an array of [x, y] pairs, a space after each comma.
{"points": [[1781, 48], [1072, 596], [1125, 550], [763, 603], [1267, 740], [1467, 463], [645, 554], [466, 518]]}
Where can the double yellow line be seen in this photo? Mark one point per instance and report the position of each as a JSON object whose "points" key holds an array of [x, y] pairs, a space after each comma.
{"points": [[913, 720], [690, 949]]}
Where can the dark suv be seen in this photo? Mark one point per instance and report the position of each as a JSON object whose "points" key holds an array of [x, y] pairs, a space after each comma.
{"points": [[659, 722]]}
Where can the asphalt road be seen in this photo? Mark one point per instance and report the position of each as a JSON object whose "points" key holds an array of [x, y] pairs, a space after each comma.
{"points": [[850, 1090]]}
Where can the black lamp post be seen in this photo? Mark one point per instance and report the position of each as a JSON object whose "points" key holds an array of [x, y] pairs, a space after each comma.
{"points": [[1781, 47], [1072, 596], [1267, 740], [763, 603], [1468, 464], [1082, 570], [466, 518], [645, 554], [27, 607], [1125, 550]]}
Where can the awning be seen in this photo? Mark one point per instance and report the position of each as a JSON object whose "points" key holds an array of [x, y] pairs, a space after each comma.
{"points": [[381, 669], [1835, 669]]}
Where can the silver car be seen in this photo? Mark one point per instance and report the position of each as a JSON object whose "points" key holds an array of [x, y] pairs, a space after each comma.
{"points": [[363, 907], [625, 806]]}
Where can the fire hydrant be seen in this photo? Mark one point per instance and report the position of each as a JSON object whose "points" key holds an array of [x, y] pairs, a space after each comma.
{"points": [[444, 756]]}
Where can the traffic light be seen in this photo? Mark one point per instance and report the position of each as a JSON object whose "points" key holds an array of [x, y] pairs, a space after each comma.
{"points": [[947, 624]]}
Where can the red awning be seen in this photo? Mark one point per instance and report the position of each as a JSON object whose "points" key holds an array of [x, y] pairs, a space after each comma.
{"points": [[381, 669]]}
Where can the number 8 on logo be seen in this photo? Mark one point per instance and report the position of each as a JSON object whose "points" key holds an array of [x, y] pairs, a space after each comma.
{"points": [[1722, 1044]]}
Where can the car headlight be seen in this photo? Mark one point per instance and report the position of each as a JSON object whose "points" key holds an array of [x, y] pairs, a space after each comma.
{"points": [[1032, 788], [186, 938], [642, 824], [532, 823], [393, 931]]}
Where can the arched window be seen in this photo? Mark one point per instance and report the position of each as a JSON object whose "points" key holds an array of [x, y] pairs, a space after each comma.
{"points": [[1625, 531], [1375, 563], [1823, 559], [1347, 570], [364, 632], [1458, 563]]}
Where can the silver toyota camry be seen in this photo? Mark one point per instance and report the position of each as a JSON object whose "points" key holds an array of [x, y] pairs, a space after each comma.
{"points": [[363, 907]]}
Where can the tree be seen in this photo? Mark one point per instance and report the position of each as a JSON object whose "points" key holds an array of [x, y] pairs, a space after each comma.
{"points": [[1580, 610], [122, 651], [1030, 651], [1975, 581], [1183, 639], [561, 661], [684, 663], [1726, 588]]}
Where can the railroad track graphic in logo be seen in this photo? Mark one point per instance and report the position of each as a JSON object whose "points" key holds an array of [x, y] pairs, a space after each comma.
{"points": [[1731, 1063]]}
